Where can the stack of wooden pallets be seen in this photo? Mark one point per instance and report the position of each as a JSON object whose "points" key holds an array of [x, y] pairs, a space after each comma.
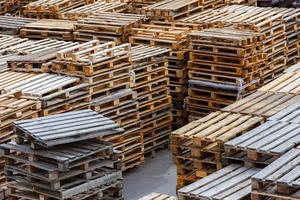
{"points": [[197, 147], [150, 69], [123, 108], [291, 18], [137, 5], [48, 28], [171, 10], [268, 23], [92, 9], [279, 180], [232, 182], [224, 66], [62, 166], [45, 9], [106, 69], [157, 196], [13, 107], [57, 93], [174, 38], [106, 27]]}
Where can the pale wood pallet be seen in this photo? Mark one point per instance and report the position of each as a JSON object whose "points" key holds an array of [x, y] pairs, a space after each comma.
{"points": [[46, 28], [232, 182], [278, 180], [157, 196], [10, 78], [106, 26], [12, 25], [172, 10], [263, 144], [91, 9], [286, 84], [57, 93], [263, 104]]}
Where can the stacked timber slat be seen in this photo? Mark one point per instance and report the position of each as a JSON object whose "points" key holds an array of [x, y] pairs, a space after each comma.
{"points": [[123, 108], [3, 62], [45, 9], [12, 25], [171, 10], [174, 38], [150, 68], [9, 41], [232, 182], [197, 147], [157, 196], [57, 93], [66, 161], [224, 66], [279, 180], [106, 68], [92, 9], [106, 27], [48, 28]]}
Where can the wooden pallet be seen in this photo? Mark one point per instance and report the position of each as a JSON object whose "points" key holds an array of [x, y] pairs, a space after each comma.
{"points": [[45, 28], [278, 180], [50, 9], [162, 36], [57, 93], [105, 27], [289, 114], [92, 9], [12, 25], [261, 103], [263, 144], [172, 10], [197, 147], [157, 196], [286, 83], [232, 182], [98, 163], [25, 129], [11, 78]]}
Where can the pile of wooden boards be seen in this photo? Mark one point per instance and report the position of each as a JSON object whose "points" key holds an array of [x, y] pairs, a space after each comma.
{"points": [[137, 5], [48, 163], [157, 196], [91, 9], [225, 65], [171, 10], [105, 27], [243, 2], [150, 71], [174, 38], [48, 28]]}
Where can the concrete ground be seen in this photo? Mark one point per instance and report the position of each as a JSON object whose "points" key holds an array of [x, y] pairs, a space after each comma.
{"points": [[158, 174]]}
